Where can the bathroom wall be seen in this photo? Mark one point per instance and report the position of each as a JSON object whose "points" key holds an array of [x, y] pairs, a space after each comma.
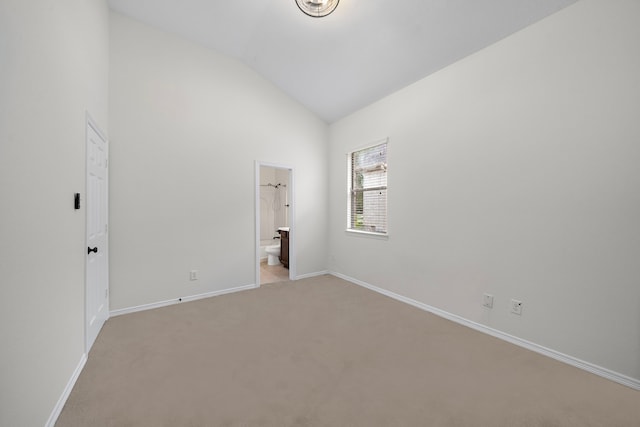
{"points": [[273, 212], [515, 172], [187, 125], [53, 70]]}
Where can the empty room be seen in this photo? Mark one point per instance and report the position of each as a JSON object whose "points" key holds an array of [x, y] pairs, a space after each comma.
{"points": [[320, 213]]}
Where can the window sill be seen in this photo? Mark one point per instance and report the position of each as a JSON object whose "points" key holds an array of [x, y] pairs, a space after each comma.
{"points": [[372, 234]]}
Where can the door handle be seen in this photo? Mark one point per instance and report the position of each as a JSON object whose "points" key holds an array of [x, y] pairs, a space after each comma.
{"points": [[89, 250]]}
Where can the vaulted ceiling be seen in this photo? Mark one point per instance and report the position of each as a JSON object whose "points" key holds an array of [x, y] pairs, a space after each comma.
{"points": [[363, 51]]}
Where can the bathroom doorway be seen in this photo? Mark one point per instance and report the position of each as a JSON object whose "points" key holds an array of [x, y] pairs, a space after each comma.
{"points": [[275, 230]]}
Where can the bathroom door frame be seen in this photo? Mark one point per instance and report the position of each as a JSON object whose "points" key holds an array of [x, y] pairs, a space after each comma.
{"points": [[292, 217]]}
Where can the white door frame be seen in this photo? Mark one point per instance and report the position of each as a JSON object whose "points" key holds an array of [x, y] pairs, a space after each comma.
{"points": [[91, 122], [292, 217]]}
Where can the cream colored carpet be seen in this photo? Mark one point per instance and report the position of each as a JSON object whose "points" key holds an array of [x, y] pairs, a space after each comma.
{"points": [[324, 352]]}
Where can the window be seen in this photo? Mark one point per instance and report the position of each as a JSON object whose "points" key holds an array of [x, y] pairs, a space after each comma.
{"points": [[367, 210]]}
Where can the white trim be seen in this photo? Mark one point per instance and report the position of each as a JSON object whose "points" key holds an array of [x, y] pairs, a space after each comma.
{"points": [[293, 231], [309, 275], [256, 208], [384, 235], [159, 304], [569, 360], [292, 218], [66, 392], [381, 236]]}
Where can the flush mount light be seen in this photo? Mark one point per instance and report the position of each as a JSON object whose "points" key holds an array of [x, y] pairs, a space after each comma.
{"points": [[317, 8]]}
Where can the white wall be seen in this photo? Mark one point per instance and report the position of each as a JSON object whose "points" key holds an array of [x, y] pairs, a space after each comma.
{"points": [[187, 125], [515, 172], [53, 69]]}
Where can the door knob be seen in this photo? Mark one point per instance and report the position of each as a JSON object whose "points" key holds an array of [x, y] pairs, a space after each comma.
{"points": [[89, 250]]}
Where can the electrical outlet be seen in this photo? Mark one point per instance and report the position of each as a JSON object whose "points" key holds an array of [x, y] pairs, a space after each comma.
{"points": [[516, 307], [193, 275], [487, 300]]}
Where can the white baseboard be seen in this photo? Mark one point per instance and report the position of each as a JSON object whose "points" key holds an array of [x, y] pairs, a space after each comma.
{"points": [[570, 360], [150, 306], [309, 275], [66, 392]]}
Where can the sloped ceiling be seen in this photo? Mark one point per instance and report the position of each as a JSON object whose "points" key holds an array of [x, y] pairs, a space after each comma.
{"points": [[360, 53]]}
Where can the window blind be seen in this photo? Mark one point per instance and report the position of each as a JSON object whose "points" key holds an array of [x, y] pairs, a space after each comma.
{"points": [[368, 189]]}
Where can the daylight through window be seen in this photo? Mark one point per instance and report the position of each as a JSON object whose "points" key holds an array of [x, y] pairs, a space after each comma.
{"points": [[368, 189]]}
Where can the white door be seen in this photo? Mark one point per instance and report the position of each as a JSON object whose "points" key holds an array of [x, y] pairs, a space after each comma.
{"points": [[97, 264]]}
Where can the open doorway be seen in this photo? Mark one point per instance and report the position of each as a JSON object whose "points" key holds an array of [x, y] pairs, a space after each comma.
{"points": [[275, 254]]}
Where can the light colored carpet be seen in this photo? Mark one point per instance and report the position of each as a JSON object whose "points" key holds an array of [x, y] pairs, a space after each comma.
{"points": [[324, 352]]}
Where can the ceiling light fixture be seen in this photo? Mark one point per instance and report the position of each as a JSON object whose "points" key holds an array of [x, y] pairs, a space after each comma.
{"points": [[317, 8]]}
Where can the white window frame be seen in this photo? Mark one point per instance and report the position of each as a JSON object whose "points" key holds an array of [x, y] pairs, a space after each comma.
{"points": [[383, 235]]}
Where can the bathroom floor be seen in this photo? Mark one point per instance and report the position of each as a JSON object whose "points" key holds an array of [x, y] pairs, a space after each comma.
{"points": [[272, 273]]}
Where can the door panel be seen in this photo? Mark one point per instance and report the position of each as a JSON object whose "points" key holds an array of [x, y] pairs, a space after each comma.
{"points": [[97, 264]]}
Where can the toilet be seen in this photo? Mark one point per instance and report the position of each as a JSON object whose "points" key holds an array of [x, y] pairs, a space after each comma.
{"points": [[273, 254]]}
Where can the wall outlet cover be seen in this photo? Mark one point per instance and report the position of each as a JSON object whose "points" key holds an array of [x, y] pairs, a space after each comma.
{"points": [[487, 300], [516, 307]]}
